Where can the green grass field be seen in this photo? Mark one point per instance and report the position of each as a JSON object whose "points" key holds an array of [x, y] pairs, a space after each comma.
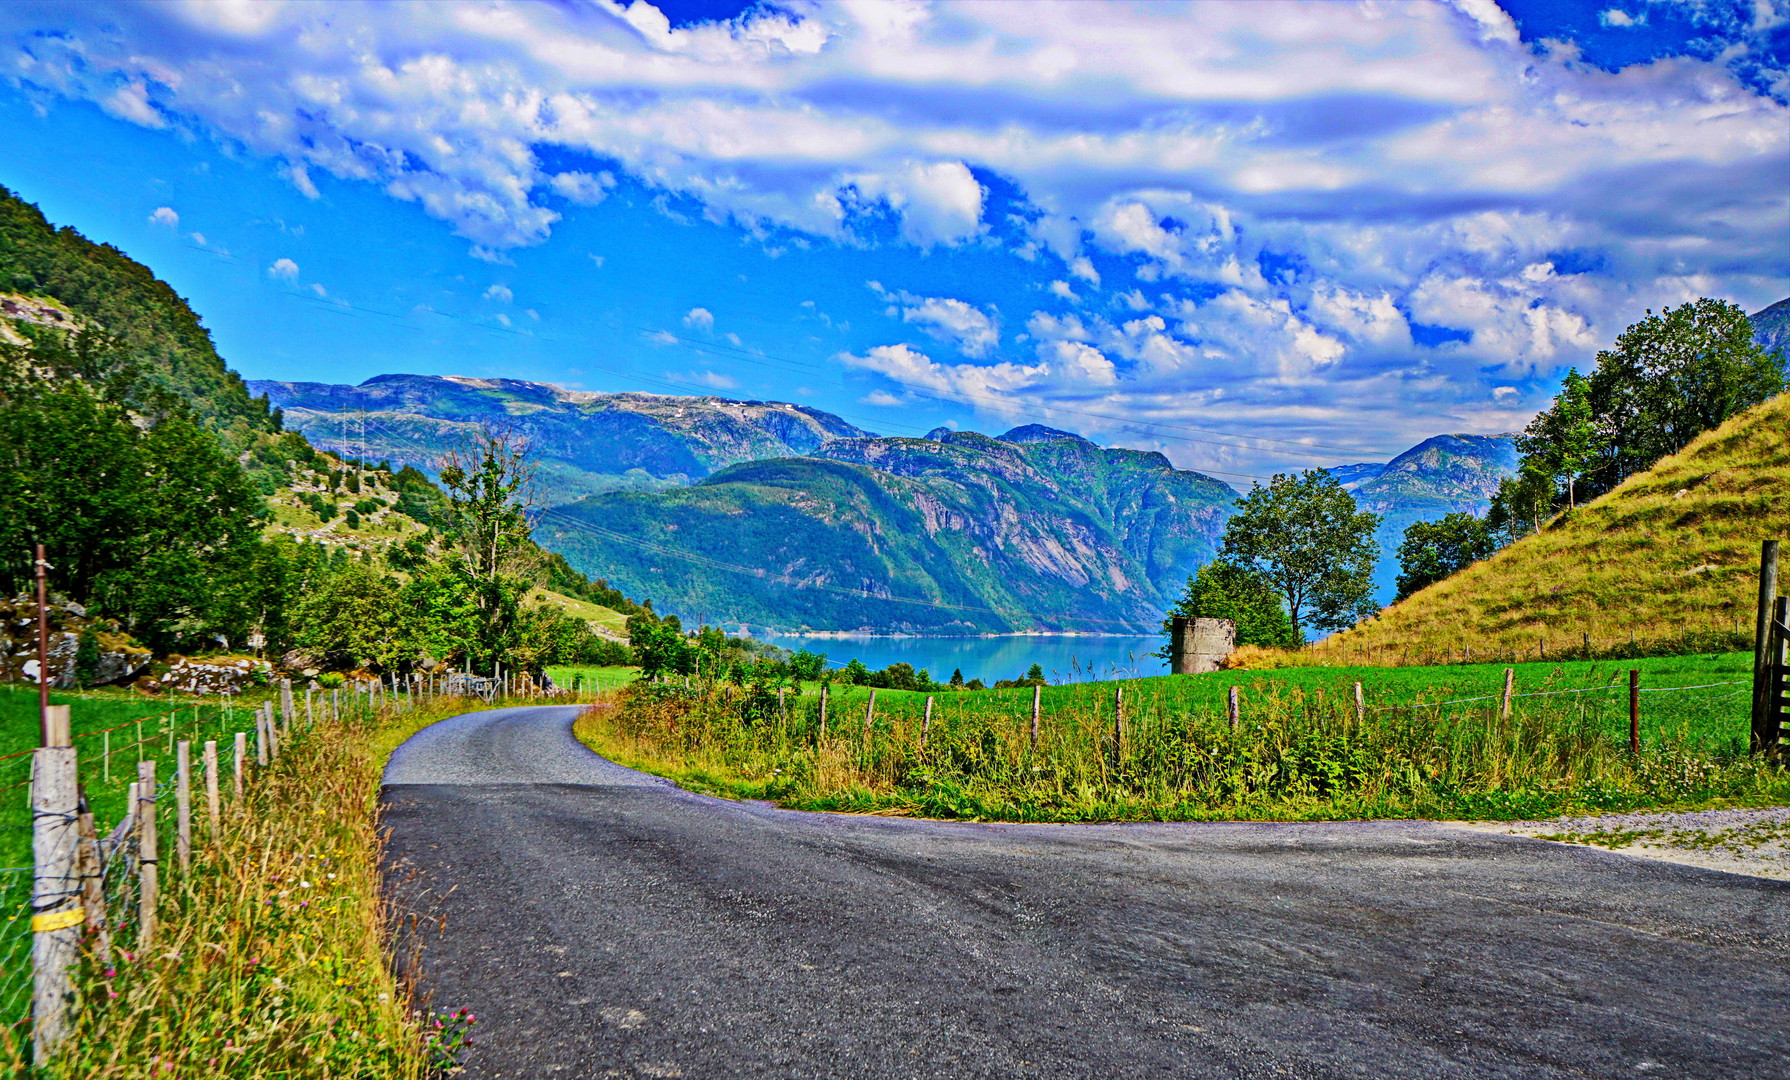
{"points": [[1713, 718], [594, 678], [1431, 743]]}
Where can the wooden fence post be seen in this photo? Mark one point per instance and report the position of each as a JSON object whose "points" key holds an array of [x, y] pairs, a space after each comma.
{"points": [[1232, 710], [260, 739], [210, 759], [870, 712], [285, 706], [1510, 677], [183, 804], [56, 910], [1778, 673], [93, 882], [1768, 589], [1118, 720], [240, 748], [1037, 697], [310, 718], [146, 854], [926, 724], [1634, 711], [823, 709], [1360, 705]]}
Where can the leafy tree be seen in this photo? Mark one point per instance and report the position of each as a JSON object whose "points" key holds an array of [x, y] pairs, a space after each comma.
{"points": [[1306, 536], [660, 648], [956, 679], [486, 528], [346, 620], [854, 673], [806, 666], [1433, 550], [1242, 594], [1564, 441]]}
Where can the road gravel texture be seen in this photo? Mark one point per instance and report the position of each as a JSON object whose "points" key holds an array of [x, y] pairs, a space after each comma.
{"points": [[603, 923]]}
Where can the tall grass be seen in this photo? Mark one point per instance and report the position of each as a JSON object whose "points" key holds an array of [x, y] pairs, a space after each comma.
{"points": [[1297, 753], [271, 958]]}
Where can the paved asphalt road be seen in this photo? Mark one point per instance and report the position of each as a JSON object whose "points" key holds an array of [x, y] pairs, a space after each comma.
{"points": [[602, 923]]}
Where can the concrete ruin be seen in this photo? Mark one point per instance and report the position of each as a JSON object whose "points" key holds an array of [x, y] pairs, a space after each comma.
{"points": [[1201, 645]]}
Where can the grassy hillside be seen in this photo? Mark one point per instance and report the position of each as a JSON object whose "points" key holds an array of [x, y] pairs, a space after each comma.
{"points": [[1666, 562]]}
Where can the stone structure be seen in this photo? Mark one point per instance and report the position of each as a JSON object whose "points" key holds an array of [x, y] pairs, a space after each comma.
{"points": [[1201, 645]]}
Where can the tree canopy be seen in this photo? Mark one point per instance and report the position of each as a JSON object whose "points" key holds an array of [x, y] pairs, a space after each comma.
{"points": [[1304, 534], [1669, 378], [1224, 590], [1433, 550]]}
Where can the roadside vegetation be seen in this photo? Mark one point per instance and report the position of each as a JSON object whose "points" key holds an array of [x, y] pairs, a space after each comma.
{"points": [[1298, 752], [271, 959]]}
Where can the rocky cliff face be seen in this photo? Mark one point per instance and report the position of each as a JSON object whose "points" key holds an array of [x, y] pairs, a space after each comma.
{"points": [[584, 443]]}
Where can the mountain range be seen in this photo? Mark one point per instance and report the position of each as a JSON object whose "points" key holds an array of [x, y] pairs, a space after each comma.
{"points": [[583, 443], [779, 515]]}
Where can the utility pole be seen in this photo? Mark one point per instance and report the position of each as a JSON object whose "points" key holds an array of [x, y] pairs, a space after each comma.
{"points": [[43, 651]]}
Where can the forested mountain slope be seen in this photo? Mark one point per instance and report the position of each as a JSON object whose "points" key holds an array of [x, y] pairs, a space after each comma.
{"points": [[955, 533], [1666, 560], [46, 272]]}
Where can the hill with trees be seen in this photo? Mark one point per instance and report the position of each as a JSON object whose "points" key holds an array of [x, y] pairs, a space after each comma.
{"points": [[174, 506], [1666, 562]]}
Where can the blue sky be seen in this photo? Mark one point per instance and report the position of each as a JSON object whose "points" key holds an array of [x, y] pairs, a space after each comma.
{"points": [[1256, 236]]}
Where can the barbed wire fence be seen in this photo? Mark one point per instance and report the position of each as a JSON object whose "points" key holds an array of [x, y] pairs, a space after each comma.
{"points": [[84, 889], [88, 890]]}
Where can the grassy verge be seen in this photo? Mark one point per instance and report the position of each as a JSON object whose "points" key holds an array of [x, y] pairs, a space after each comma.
{"points": [[1300, 751], [271, 957]]}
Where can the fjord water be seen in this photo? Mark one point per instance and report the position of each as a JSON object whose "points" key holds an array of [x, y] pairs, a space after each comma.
{"points": [[1064, 657]]}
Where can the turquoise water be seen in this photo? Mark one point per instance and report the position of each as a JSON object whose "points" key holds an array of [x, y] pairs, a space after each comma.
{"points": [[1064, 658]]}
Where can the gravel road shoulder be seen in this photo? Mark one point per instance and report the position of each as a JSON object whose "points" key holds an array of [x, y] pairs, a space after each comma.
{"points": [[1753, 841]]}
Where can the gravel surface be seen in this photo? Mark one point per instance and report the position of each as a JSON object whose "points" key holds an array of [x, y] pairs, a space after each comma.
{"points": [[614, 926], [1753, 841]]}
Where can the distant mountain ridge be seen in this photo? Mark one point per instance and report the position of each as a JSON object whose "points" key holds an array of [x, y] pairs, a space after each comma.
{"points": [[954, 533], [584, 443]]}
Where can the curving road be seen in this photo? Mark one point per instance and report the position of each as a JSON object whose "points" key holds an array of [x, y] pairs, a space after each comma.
{"points": [[602, 923]]}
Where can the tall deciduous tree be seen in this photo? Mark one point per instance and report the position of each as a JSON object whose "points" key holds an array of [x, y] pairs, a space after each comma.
{"points": [[486, 526], [1306, 536]]}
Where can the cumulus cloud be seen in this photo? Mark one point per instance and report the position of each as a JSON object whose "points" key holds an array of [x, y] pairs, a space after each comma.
{"points": [[583, 188], [700, 318], [1290, 212], [165, 215], [500, 293], [285, 269], [972, 331], [985, 384]]}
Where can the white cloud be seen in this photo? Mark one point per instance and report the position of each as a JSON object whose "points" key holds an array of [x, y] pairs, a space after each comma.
{"points": [[988, 384], [285, 269], [1082, 268], [165, 215], [583, 188], [319, 290], [883, 398], [131, 102], [1621, 18], [700, 318], [1062, 289], [973, 332], [598, 259], [714, 380], [500, 293]]}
